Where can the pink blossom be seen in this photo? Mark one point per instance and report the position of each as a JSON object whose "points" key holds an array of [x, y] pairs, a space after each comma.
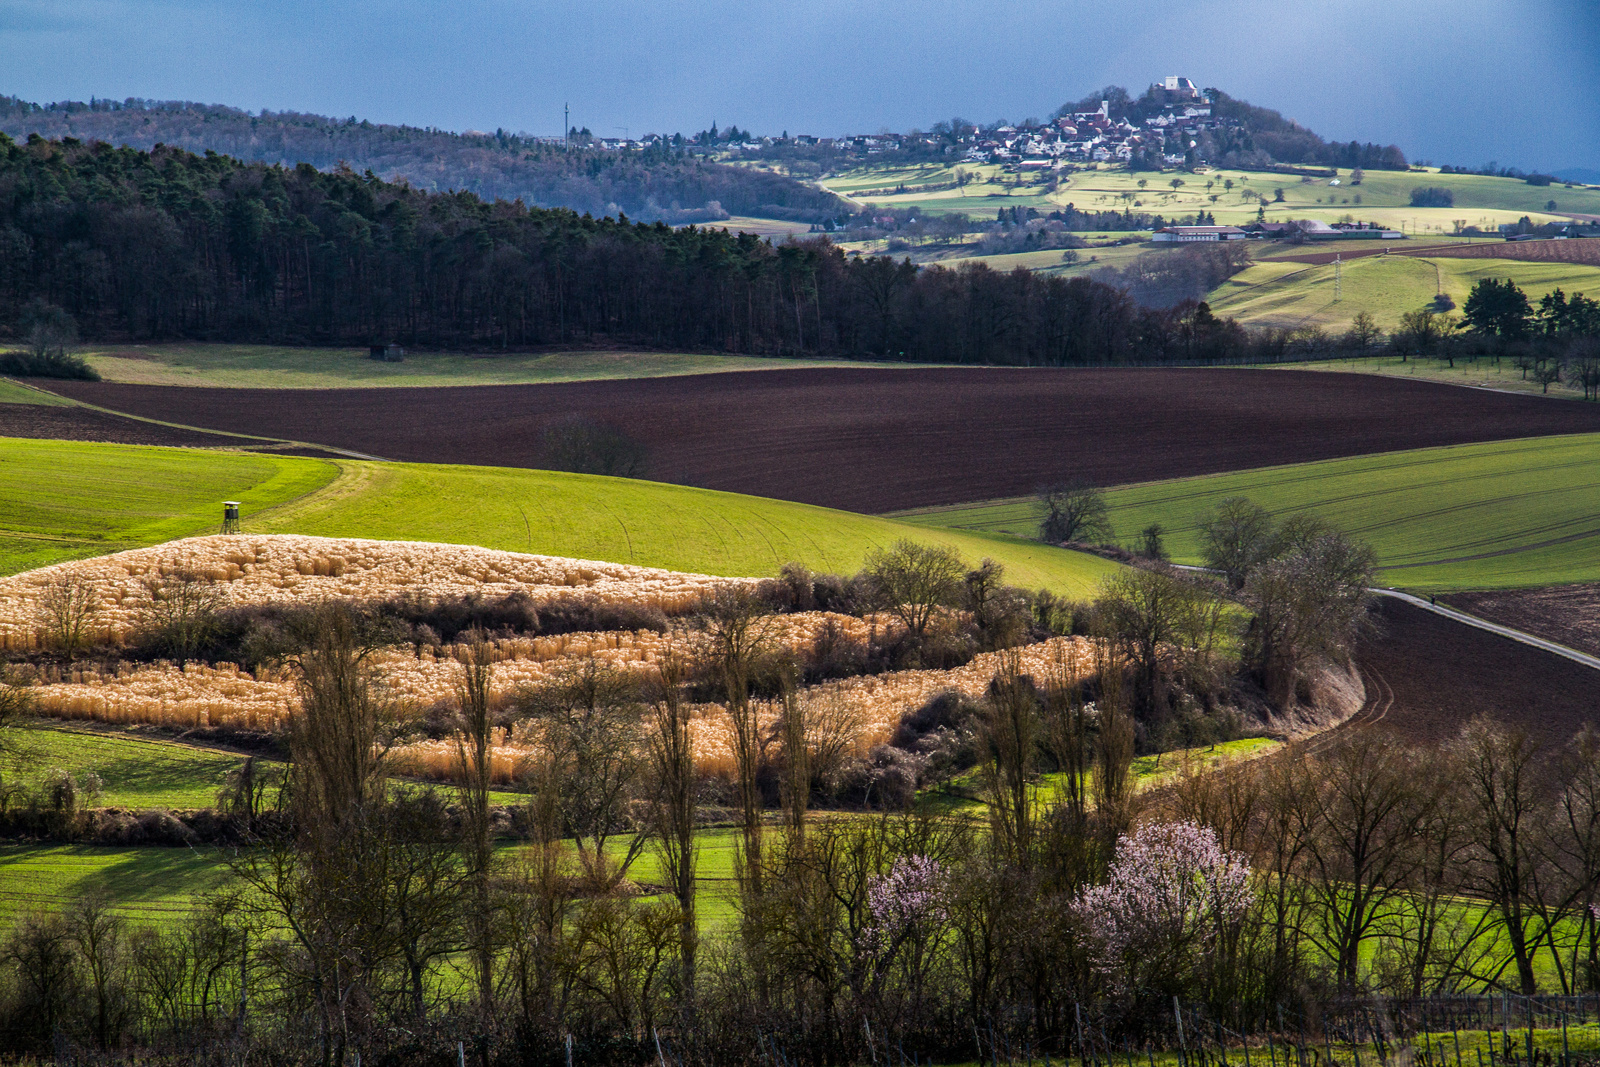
{"points": [[907, 900], [1171, 889]]}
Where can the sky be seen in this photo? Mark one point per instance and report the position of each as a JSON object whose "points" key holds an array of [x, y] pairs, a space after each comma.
{"points": [[1463, 82]]}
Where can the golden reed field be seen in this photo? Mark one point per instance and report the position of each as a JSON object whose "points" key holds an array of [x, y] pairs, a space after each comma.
{"points": [[252, 569]]}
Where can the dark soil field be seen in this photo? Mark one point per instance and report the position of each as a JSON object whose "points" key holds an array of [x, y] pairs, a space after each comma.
{"points": [[83, 424], [1428, 675], [1575, 250], [883, 440], [1569, 614]]}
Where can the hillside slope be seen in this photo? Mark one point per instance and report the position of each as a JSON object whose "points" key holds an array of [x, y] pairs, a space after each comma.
{"points": [[660, 183], [63, 500], [1500, 515]]}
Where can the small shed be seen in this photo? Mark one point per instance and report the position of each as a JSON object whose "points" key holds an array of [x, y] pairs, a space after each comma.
{"points": [[389, 353]]}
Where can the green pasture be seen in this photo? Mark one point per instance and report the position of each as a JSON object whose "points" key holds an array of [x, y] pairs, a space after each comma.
{"points": [[16, 393], [61, 500], [279, 367], [1383, 196], [1506, 514], [625, 521], [1278, 293], [66, 500], [1483, 372], [149, 884], [137, 772]]}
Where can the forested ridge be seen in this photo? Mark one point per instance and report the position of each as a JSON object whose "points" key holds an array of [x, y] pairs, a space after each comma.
{"points": [[166, 245], [660, 182]]}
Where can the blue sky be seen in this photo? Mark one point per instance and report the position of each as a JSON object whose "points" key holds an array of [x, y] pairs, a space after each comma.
{"points": [[1461, 82]]}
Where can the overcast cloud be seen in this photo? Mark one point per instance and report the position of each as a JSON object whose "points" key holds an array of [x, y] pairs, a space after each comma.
{"points": [[1462, 82]]}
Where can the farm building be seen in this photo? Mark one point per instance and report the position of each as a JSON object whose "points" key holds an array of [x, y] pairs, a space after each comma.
{"points": [[1174, 234]]}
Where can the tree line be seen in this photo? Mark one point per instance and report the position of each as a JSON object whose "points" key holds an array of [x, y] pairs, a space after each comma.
{"points": [[660, 181], [169, 245]]}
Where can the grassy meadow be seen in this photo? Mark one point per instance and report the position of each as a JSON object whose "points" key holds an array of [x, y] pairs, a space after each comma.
{"points": [[66, 500], [1481, 373], [16, 393], [1277, 293], [137, 772], [1383, 196], [280, 367], [61, 500], [1506, 514]]}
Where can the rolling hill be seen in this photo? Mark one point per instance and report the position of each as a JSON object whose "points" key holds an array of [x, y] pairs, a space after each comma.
{"points": [[1503, 515], [69, 500]]}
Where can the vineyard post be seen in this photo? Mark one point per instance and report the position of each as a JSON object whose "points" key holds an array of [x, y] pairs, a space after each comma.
{"points": [[1530, 1029], [1177, 1013]]}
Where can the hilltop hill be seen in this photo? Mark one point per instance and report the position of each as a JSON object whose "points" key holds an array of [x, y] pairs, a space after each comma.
{"points": [[658, 182]]}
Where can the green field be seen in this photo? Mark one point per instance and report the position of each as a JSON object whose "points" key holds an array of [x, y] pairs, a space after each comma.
{"points": [[63, 500], [1501, 515], [152, 884], [1383, 197], [137, 772], [278, 367], [1275, 293], [15, 393]]}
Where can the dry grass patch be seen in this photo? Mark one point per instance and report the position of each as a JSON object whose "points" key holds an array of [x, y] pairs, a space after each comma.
{"points": [[262, 568]]}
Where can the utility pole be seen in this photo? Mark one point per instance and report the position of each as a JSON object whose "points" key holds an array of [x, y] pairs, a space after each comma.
{"points": [[1338, 278]]}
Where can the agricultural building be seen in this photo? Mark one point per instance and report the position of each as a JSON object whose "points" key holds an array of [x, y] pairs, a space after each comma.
{"points": [[1186, 234]]}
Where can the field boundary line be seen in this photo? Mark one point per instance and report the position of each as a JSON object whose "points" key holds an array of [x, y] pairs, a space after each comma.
{"points": [[276, 441], [1514, 634]]}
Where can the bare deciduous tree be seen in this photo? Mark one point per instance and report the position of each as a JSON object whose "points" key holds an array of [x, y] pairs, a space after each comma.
{"points": [[740, 630], [66, 610], [473, 779], [672, 757], [1309, 605], [913, 581], [182, 614], [1073, 511], [589, 735], [1236, 537]]}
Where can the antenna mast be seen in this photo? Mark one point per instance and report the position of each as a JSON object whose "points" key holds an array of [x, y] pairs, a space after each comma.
{"points": [[566, 126]]}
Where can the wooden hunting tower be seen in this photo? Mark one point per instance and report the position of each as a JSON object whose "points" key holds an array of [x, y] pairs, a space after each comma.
{"points": [[230, 516]]}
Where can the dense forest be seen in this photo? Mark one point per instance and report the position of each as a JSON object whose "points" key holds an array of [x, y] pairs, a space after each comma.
{"points": [[661, 182], [169, 245]]}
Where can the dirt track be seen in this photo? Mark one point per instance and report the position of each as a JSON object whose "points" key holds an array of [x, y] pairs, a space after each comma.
{"points": [[82, 424], [1569, 614], [1442, 673], [883, 440]]}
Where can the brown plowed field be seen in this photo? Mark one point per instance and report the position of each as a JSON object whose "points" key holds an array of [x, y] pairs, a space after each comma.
{"points": [[82, 424], [883, 440], [1585, 250], [1568, 614], [1430, 675]]}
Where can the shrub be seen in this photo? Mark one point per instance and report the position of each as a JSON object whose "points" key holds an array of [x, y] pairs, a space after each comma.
{"points": [[1432, 196], [583, 446], [49, 365]]}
